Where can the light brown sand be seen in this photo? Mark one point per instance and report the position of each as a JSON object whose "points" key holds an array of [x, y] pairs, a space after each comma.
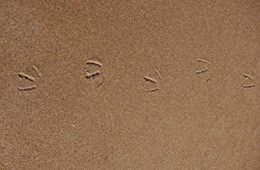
{"points": [[193, 121]]}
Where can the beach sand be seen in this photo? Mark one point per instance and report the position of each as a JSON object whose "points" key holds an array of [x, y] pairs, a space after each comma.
{"points": [[166, 90]]}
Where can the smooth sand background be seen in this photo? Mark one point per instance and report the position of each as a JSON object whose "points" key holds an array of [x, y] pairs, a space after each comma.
{"points": [[70, 122]]}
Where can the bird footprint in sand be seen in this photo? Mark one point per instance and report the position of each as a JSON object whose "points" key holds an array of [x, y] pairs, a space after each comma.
{"points": [[29, 78], [152, 82], [204, 69], [249, 80], [93, 71]]}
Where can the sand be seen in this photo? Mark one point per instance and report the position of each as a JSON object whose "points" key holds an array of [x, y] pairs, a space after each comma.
{"points": [[168, 90]]}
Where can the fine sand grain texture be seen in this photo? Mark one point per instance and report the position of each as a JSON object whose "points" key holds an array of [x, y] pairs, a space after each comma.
{"points": [[129, 84]]}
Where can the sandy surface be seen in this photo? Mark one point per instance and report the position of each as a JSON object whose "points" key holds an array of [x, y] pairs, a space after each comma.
{"points": [[117, 120]]}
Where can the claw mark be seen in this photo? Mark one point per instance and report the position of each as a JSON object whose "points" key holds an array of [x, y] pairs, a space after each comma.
{"points": [[26, 76], [37, 71], [94, 62], [27, 88], [150, 79], [152, 90], [158, 73], [248, 76], [254, 71], [93, 74], [202, 71], [203, 60], [248, 85]]}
